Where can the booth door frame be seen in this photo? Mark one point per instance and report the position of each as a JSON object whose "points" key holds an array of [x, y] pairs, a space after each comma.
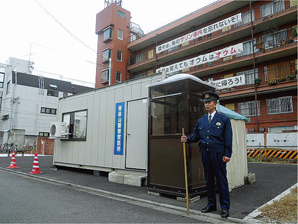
{"points": [[136, 134]]}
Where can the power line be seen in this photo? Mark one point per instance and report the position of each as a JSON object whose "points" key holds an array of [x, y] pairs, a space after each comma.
{"points": [[65, 28]]}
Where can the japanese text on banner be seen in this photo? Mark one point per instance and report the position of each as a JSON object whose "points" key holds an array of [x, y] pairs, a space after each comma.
{"points": [[229, 82], [202, 59], [199, 33]]}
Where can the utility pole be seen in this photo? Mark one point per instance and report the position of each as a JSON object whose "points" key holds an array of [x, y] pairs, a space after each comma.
{"points": [[254, 67]]}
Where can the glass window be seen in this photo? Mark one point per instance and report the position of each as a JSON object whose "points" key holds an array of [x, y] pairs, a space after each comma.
{"points": [[118, 76], [167, 90], [106, 54], [80, 124], [249, 76], [281, 105], [119, 55], [51, 92], [120, 34], [274, 39], [140, 57], [122, 14], [1, 80], [65, 94], [248, 47], [248, 109], [272, 8], [246, 18], [107, 34], [105, 75], [53, 111], [150, 54], [48, 110], [2, 69], [43, 110], [168, 115]]}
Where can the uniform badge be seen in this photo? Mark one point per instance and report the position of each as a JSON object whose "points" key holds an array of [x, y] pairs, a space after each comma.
{"points": [[218, 123], [206, 96]]}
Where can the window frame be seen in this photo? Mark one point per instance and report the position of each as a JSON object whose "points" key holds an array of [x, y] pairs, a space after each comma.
{"points": [[120, 76], [121, 54], [279, 105], [247, 108], [72, 125], [120, 37], [108, 75], [105, 39], [121, 14], [109, 50], [47, 110]]}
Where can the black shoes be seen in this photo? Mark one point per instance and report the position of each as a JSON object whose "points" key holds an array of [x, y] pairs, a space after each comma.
{"points": [[224, 213], [208, 209]]}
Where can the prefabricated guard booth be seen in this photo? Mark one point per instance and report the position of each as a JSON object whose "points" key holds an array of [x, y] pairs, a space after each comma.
{"points": [[174, 104]]}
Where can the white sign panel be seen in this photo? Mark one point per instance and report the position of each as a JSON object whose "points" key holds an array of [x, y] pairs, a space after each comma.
{"points": [[199, 33], [282, 140], [202, 59], [229, 82]]}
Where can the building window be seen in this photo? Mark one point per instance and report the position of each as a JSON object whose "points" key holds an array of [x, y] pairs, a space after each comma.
{"points": [[8, 87], [45, 110], [248, 109], [51, 92], [65, 94], [273, 7], [107, 34], [150, 54], [120, 34], [122, 14], [105, 75], [248, 47], [274, 39], [246, 18], [44, 134], [118, 76], [106, 54], [281, 105], [249, 76], [119, 55], [140, 57], [230, 106], [77, 124], [2, 73]]}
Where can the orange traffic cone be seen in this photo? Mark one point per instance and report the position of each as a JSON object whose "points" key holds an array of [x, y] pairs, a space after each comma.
{"points": [[35, 168], [13, 164]]}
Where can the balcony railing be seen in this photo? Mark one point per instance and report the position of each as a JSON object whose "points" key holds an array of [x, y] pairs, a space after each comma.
{"points": [[209, 37]]}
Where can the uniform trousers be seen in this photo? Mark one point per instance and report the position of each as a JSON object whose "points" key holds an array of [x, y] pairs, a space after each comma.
{"points": [[215, 167]]}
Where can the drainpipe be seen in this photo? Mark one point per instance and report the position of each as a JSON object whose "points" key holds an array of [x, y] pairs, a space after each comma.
{"points": [[110, 70], [254, 67]]}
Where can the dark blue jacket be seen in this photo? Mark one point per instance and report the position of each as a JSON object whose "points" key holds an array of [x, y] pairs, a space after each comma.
{"points": [[214, 138]]}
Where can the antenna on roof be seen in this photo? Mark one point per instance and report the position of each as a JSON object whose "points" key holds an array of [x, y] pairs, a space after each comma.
{"points": [[117, 2]]}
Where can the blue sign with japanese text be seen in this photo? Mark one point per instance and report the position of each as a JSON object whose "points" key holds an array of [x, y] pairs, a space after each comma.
{"points": [[119, 128]]}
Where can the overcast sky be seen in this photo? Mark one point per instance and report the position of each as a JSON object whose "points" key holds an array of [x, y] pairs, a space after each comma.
{"points": [[53, 49]]}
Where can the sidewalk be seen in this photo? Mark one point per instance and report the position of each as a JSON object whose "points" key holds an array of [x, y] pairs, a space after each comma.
{"points": [[271, 180]]}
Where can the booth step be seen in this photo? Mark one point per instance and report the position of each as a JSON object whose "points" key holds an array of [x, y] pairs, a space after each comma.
{"points": [[129, 179]]}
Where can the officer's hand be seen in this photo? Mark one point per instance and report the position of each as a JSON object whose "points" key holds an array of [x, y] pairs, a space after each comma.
{"points": [[225, 159], [183, 138]]}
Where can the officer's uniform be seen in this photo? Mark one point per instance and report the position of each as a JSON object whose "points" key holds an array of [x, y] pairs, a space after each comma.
{"points": [[215, 142]]}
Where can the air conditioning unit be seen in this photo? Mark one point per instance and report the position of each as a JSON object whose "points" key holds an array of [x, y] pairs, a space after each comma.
{"points": [[58, 130]]}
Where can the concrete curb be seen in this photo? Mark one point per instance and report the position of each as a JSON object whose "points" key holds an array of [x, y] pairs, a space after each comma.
{"points": [[252, 216], [214, 218]]}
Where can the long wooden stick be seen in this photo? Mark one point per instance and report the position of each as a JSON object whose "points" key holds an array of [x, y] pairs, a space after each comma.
{"points": [[185, 174]]}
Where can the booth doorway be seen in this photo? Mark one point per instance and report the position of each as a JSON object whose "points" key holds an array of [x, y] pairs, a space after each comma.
{"points": [[136, 145]]}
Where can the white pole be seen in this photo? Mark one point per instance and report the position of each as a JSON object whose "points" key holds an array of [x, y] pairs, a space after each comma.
{"points": [[110, 70]]}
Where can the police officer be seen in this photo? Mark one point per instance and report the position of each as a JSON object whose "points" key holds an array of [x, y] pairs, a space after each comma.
{"points": [[214, 133]]}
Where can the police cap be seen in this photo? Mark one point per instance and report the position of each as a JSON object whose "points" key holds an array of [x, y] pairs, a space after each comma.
{"points": [[208, 96]]}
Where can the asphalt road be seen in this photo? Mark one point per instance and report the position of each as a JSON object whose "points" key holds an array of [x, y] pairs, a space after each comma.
{"points": [[25, 200]]}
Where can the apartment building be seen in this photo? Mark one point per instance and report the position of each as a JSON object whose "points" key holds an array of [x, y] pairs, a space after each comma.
{"points": [[265, 65]]}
